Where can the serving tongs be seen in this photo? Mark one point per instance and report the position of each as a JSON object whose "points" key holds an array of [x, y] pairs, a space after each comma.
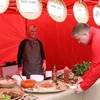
{"points": [[9, 77]]}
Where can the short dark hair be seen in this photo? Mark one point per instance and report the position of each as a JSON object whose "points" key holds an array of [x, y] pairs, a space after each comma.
{"points": [[80, 28]]}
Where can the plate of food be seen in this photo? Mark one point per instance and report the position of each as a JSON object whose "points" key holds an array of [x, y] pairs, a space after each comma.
{"points": [[29, 97], [11, 94], [7, 82], [47, 86]]}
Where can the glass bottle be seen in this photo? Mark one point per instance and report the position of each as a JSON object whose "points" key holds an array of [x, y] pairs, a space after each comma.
{"points": [[54, 74]]}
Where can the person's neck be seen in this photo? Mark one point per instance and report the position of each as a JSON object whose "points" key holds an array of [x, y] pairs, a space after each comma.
{"points": [[31, 38], [34, 39]]}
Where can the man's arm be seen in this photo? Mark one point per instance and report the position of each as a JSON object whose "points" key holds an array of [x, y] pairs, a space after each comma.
{"points": [[93, 75]]}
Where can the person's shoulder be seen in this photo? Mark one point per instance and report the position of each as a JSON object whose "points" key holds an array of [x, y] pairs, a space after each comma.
{"points": [[23, 41], [39, 41]]}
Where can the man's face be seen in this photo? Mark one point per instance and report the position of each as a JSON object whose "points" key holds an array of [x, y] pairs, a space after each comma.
{"points": [[33, 32], [82, 38]]}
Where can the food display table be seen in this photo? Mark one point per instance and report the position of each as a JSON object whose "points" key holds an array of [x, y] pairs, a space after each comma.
{"points": [[91, 94]]}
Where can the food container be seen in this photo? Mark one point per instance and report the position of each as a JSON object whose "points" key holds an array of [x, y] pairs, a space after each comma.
{"points": [[37, 78], [7, 83], [18, 79], [48, 74], [28, 83]]}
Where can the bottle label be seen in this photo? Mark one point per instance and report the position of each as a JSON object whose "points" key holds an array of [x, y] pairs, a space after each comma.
{"points": [[54, 77]]}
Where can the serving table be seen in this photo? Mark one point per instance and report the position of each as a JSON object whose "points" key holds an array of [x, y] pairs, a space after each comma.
{"points": [[92, 93]]}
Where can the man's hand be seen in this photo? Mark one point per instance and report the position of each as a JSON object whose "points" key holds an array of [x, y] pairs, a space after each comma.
{"points": [[79, 80], [79, 89]]}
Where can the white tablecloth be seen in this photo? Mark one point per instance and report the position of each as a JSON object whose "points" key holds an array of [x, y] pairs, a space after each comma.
{"points": [[91, 94]]}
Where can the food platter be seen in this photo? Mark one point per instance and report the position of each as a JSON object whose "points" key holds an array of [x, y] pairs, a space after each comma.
{"points": [[13, 94], [7, 82], [59, 88], [34, 90]]}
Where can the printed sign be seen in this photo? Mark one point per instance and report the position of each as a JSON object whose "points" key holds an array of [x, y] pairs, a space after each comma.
{"points": [[28, 5], [79, 12], [56, 9], [3, 3], [97, 14]]}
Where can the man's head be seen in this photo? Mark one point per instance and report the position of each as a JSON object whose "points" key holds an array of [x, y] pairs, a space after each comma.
{"points": [[81, 32], [32, 31]]}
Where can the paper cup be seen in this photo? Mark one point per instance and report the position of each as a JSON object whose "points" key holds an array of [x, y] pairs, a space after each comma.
{"points": [[18, 79], [48, 74]]}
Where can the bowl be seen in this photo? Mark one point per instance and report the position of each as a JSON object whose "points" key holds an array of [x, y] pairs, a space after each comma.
{"points": [[18, 79], [7, 83], [28, 83], [37, 78]]}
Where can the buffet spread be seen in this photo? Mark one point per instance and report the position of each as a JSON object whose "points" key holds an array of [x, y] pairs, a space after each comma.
{"points": [[9, 90], [46, 90], [18, 87]]}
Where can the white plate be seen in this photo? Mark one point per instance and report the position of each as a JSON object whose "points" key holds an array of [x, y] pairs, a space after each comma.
{"points": [[34, 90], [60, 87]]}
